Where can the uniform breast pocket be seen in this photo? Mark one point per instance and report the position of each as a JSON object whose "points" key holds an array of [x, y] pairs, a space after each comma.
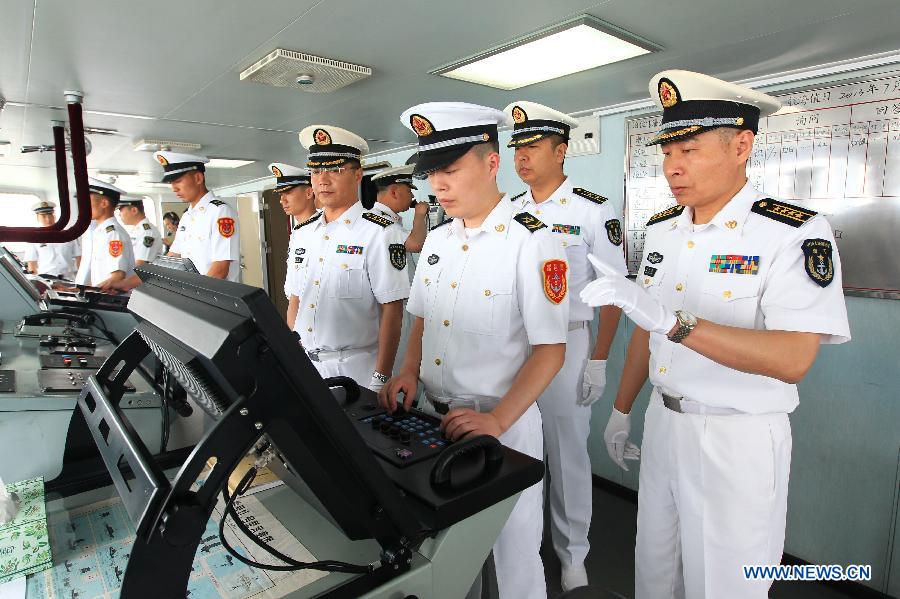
{"points": [[430, 277], [347, 276], [730, 299], [651, 282], [488, 305]]}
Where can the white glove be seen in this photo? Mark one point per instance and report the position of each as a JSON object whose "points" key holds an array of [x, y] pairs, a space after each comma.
{"points": [[8, 505], [594, 382], [611, 287], [616, 436], [376, 384]]}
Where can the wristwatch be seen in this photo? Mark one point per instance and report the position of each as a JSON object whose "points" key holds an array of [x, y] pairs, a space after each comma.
{"points": [[381, 377], [686, 324]]}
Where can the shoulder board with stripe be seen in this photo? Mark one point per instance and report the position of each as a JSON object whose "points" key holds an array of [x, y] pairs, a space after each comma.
{"points": [[147, 226], [110, 228], [441, 224], [529, 221], [589, 195], [378, 220], [783, 212], [516, 197], [311, 219], [217, 202], [665, 215]]}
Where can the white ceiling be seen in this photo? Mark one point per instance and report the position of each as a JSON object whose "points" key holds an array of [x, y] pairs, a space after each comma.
{"points": [[179, 63]]}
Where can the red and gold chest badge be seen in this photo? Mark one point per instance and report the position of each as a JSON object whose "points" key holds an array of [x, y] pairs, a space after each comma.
{"points": [[555, 285], [668, 95], [115, 248], [226, 226], [322, 137], [421, 125]]}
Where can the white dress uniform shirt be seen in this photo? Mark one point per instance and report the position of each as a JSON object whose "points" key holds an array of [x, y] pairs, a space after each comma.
{"points": [[54, 258], [584, 226], [208, 232], [379, 208], [685, 266], [295, 259], [145, 240], [110, 251], [345, 272], [482, 297]]}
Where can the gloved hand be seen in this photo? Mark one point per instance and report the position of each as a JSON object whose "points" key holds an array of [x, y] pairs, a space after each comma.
{"points": [[8, 505], [376, 384], [612, 288], [594, 382], [616, 436]]}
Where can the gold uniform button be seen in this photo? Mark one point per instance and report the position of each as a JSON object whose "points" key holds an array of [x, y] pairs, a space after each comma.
{"points": [[487, 292], [309, 330], [427, 280], [343, 266], [326, 237], [465, 248], [312, 306], [662, 370], [437, 361], [321, 259], [563, 201], [679, 287], [316, 282], [346, 221], [453, 284], [726, 293], [537, 211], [446, 323], [646, 281], [565, 244], [732, 223], [690, 244]]}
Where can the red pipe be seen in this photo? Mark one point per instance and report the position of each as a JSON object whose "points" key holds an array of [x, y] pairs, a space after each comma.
{"points": [[65, 208], [79, 160]]}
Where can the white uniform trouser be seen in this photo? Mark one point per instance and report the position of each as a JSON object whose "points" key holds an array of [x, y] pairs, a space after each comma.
{"points": [[712, 498], [517, 558], [358, 367], [566, 429]]}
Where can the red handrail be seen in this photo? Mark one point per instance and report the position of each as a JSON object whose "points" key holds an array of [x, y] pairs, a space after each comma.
{"points": [[57, 233]]}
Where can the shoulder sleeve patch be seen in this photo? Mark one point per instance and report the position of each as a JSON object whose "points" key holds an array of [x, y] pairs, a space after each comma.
{"points": [[665, 215], [217, 202], [110, 228], [589, 195], [516, 197], [441, 224], [378, 220], [311, 219], [529, 221], [783, 212]]}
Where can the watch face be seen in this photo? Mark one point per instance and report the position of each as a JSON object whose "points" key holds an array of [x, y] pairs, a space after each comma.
{"points": [[686, 318]]}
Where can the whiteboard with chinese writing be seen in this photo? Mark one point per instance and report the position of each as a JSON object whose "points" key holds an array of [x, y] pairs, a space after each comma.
{"points": [[835, 150]]}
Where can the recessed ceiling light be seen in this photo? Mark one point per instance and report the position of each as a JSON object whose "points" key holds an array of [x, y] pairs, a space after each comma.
{"points": [[227, 163], [576, 45]]}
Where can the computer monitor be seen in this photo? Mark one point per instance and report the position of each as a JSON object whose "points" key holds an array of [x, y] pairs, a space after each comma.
{"points": [[224, 342]]}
